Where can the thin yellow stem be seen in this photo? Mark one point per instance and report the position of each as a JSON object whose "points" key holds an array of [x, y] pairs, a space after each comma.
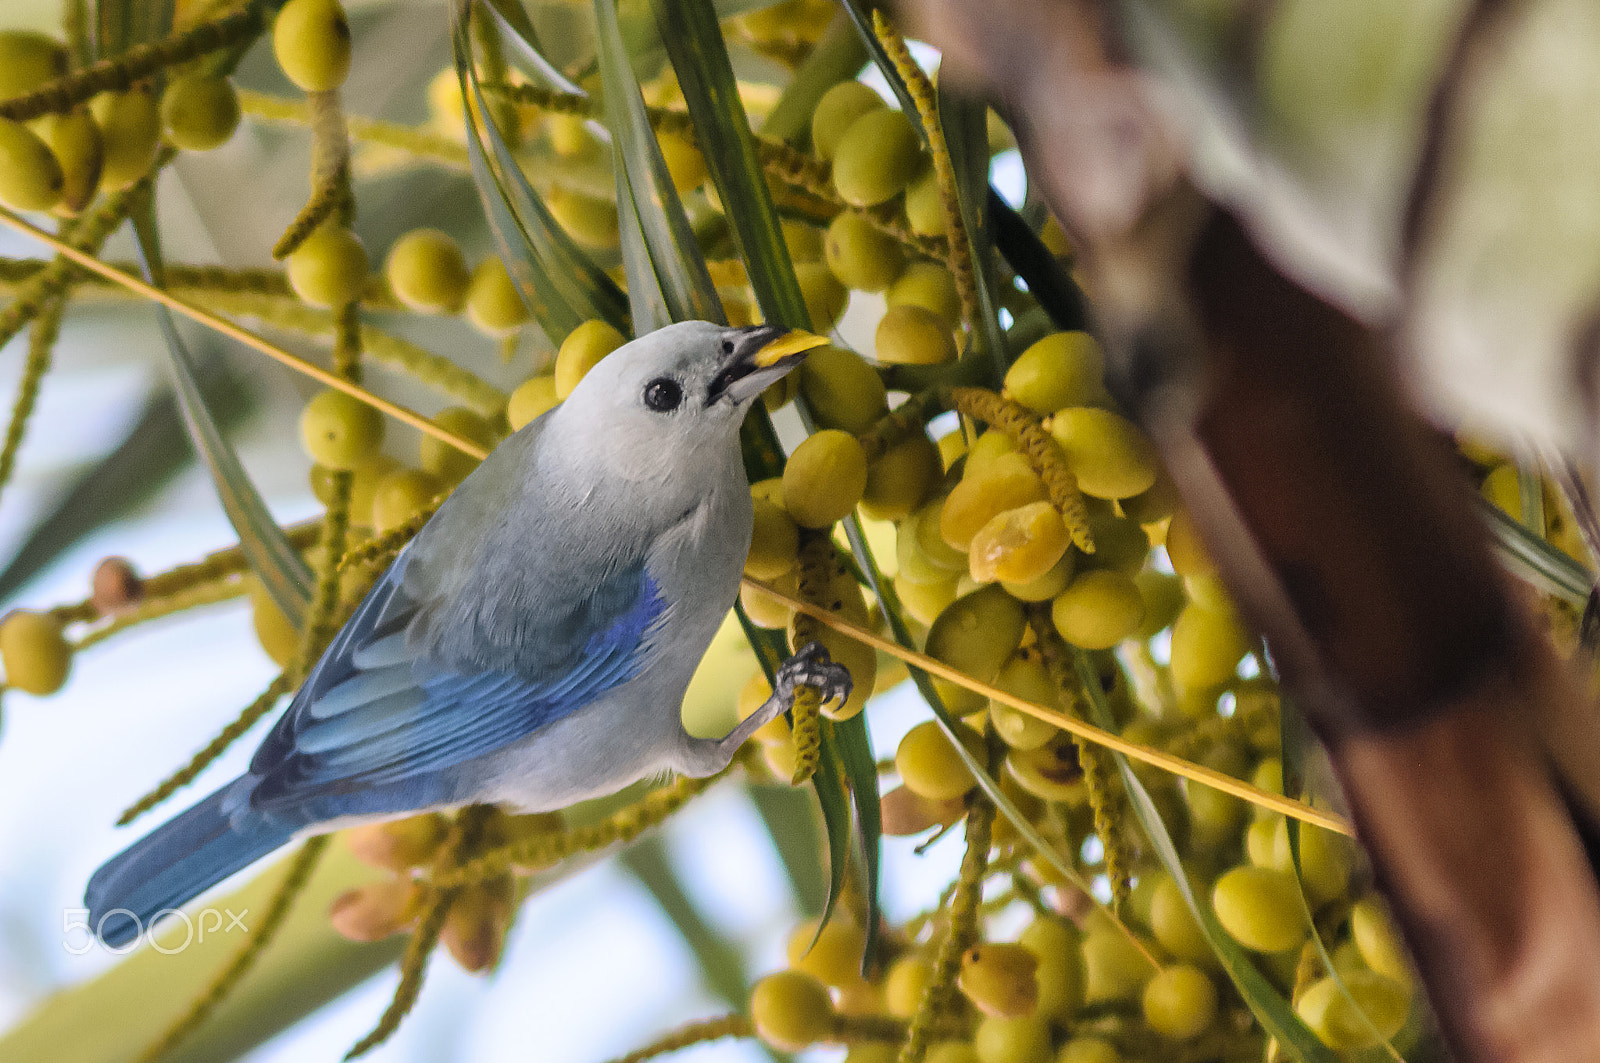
{"points": [[1156, 758], [244, 336]]}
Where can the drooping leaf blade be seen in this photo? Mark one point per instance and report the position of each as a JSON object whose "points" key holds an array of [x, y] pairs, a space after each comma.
{"points": [[274, 560], [667, 276], [562, 286], [1269, 1007], [693, 40], [964, 121]]}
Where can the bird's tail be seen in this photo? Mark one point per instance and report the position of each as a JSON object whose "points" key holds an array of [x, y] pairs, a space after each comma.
{"points": [[172, 864]]}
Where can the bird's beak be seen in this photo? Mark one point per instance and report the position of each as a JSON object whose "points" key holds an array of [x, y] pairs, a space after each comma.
{"points": [[760, 357]]}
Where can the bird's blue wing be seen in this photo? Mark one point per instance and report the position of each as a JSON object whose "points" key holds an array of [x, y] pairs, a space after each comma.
{"points": [[378, 709]]}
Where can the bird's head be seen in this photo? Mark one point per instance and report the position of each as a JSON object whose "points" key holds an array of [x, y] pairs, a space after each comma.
{"points": [[683, 387]]}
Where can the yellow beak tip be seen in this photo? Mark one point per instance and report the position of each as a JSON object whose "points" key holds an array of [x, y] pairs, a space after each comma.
{"points": [[790, 343]]}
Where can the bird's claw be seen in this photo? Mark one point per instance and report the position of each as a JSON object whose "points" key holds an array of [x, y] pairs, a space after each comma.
{"points": [[812, 667]]}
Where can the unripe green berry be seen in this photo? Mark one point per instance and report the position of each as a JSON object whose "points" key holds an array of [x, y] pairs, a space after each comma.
{"points": [[340, 431], [1058, 946], [930, 286], [1261, 908], [825, 297], [791, 1010], [74, 139], [130, 133], [824, 478], [1206, 646], [1098, 609], [860, 256], [35, 651], [1088, 1050], [1376, 1013], [1174, 925], [1115, 969], [444, 461], [28, 60], [199, 112], [906, 984], [925, 205], [843, 391], [329, 268], [837, 111], [581, 350], [774, 542], [1063, 369], [900, 479], [1021, 1040], [876, 158], [311, 40], [427, 272], [977, 634], [911, 335], [30, 176], [929, 765], [400, 495], [1379, 943], [1180, 1002], [590, 220]]}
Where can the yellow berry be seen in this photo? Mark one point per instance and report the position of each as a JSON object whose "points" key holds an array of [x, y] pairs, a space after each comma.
{"points": [[685, 164], [925, 205], [804, 241], [590, 220], [1206, 646], [876, 158], [278, 637], [1020, 1040], [1044, 587], [931, 287], [493, 305], [791, 1010], [1088, 1050], [30, 176], [35, 651], [924, 601], [906, 983], [837, 111], [329, 268], [1000, 979], [581, 350], [531, 399], [911, 335], [842, 390], [989, 446], [1058, 946], [1153, 505], [1180, 1002], [1260, 907], [1098, 609], [763, 609], [1376, 1013], [928, 540], [1024, 676], [400, 495], [199, 112], [1163, 600], [899, 481], [824, 478], [1108, 453], [1261, 843], [832, 954], [28, 60], [1378, 941], [1063, 369], [1050, 772], [1174, 925], [311, 40], [1006, 483], [977, 634], [130, 133], [1326, 860], [340, 431], [861, 256], [1018, 545], [774, 543], [427, 272], [1114, 968], [929, 765], [825, 297], [1187, 553], [74, 140], [446, 462], [1119, 543]]}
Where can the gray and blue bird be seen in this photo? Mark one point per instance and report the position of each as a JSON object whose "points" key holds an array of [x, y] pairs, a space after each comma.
{"points": [[532, 645]]}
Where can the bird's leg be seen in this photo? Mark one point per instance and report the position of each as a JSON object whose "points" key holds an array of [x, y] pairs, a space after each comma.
{"points": [[810, 667]]}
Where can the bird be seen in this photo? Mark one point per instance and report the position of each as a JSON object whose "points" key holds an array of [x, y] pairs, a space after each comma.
{"points": [[532, 645]]}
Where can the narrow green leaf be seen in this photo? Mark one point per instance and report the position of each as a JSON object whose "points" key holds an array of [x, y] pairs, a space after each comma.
{"points": [[830, 789], [1277, 1018], [667, 276], [1553, 571], [561, 285], [279, 566], [854, 745], [797, 836], [693, 40], [1295, 742], [964, 120]]}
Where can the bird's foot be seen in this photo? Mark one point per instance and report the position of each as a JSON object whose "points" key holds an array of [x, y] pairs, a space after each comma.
{"points": [[812, 667]]}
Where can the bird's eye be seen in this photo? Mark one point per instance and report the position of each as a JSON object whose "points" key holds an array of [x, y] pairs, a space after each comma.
{"points": [[663, 394]]}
